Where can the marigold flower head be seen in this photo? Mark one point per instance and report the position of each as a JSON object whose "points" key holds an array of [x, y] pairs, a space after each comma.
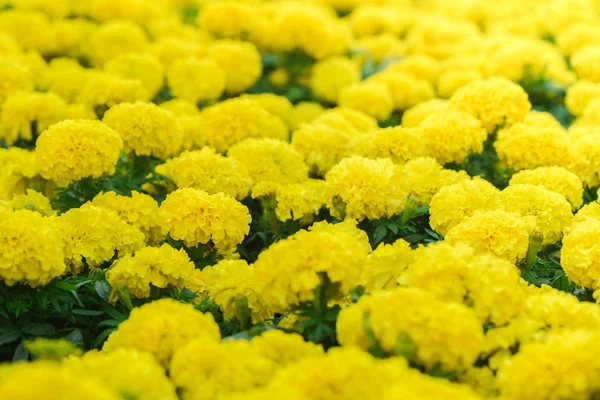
{"points": [[370, 97], [452, 135], [229, 19], [341, 254], [14, 77], [75, 149], [196, 79], [277, 105], [553, 360], [103, 90], [228, 280], [412, 314], [24, 110], [424, 177], [396, 143], [126, 370], [406, 89], [150, 266], [551, 210], [146, 129], [232, 121], [415, 115], [115, 38], [504, 234], [297, 201], [453, 203], [364, 188], [527, 147], [196, 217], [385, 265], [143, 67], [31, 248], [269, 160], [303, 113], [209, 171], [161, 328], [139, 210], [579, 254], [63, 383], [31, 29], [240, 61], [580, 94], [555, 179], [329, 77], [495, 102]]}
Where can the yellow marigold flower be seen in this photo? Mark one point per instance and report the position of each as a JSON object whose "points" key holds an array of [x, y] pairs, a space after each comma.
{"points": [[542, 119], [555, 179], [146, 129], [385, 265], [425, 387], [585, 154], [424, 177], [360, 188], [126, 370], [71, 34], [206, 369], [460, 274], [420, 66], [103, 90], [66, 78], [240, 61], [452, 135], [347, 227], [406, 90], [76, 149], [14, 77], [527, 147], [138, 210], [304, 112], [580, 251], [143, 67], [450, 81], [196, 79], [34, 201], [150, 266], [19, 172], [371, 97], [551, 210], [181, 107], [94, 235], [227, 281], [229, 19], [279, 77], [196, 217], [341, 254], [161, 328], [209, 171], [348, 119], [411, 315], [31, 249], [285, 348], [139, 12], [396, 143], [380, 48], [170, 49], [232, 121], [277, 105], [298, 201], [439, 36], [495, 102], [550, 369], [580, 94], [584, 61], [269, 160], [371, 19], [23, 110], [415, 115], [30, 29], [49, 377], [504, 234], [329, 77], [453, 203], [113, 39], [576, 37]]}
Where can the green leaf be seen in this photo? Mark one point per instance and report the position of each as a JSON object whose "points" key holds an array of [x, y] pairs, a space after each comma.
{"points": [[21, 353], [102, 289], [9, 335], [114, 313], [67, 287], [110, 322], [87, 312], [102, 337], [379, 234], [38, 329]]}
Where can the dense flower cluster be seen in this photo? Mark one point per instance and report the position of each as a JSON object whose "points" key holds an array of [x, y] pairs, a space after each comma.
{"points": [[307, 200]]}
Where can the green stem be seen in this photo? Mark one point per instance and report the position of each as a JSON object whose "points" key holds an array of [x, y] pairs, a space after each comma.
{"points": [[241, 306], [320, 300], [412, 203], [535, 244]]}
